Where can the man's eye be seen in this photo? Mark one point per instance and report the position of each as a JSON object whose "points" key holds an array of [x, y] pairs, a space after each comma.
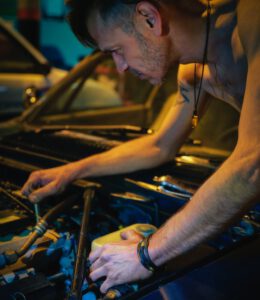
{"points": [[118, 51]]}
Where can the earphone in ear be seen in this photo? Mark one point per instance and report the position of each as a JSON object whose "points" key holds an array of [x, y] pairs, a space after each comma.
{"points": [[149, 22]]}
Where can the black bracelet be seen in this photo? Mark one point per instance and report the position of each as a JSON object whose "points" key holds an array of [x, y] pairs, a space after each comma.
{"points": [[143, 255]]}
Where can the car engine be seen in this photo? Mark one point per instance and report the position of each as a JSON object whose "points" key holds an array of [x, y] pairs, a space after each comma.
{"points": [[44, 247]]}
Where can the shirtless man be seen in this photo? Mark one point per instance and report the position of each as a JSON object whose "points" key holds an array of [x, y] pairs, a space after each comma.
{"points": [[146, 37]]}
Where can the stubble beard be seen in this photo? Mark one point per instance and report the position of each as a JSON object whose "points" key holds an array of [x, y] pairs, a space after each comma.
{"points": [[154, 59]]}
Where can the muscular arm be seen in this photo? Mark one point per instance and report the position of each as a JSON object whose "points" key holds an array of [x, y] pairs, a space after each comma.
{"points": [[148, 151], [236, 185], [142, 153], [145, 152]]}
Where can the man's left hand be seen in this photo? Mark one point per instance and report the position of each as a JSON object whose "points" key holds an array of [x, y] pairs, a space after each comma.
{"points": [[118, 262]]}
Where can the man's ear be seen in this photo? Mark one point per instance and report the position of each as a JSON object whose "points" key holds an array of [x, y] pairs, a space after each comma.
{"points": [[150, 17]]}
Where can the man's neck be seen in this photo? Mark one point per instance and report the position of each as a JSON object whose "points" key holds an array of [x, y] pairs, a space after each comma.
{"points": [[187, 35], [189, 32]]}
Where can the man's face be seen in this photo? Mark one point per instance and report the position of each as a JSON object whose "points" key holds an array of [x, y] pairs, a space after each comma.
{"points": [[143, 56]]}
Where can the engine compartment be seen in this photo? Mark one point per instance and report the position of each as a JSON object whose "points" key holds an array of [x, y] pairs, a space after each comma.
{"points": [[47, 268]]}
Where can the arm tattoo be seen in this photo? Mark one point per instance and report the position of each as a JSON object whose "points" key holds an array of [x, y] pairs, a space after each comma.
{"points": [[184, 95]]}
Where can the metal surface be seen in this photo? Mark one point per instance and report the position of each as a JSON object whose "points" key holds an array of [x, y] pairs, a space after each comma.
{"points": [[83, 249]]}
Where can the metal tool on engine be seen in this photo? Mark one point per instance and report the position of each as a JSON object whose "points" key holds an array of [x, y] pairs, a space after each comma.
{"points": [[83, 251], [19, 194], [160, 189], [173, 184]]}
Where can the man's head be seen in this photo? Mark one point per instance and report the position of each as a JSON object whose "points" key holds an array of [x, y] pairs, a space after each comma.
{"points": [[133, 31]]}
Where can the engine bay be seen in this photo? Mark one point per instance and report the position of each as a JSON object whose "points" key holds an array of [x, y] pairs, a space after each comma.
{"points": [[44, 247]]}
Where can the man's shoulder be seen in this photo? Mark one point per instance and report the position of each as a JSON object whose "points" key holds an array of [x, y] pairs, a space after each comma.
{"points": [[248, 10], [248, 22]]}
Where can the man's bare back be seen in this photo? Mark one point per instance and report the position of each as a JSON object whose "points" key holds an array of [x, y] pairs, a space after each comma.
{"points": [[226, 71], [226, 79]]}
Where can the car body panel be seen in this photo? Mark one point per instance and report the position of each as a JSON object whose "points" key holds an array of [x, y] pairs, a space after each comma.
{"points": [[233, 275]]}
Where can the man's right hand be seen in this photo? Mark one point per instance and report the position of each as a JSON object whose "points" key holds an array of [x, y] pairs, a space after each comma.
{"points": [[43, 183]]}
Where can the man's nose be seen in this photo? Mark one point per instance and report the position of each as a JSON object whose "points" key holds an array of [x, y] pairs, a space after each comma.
{"points": [[120, 62]]}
